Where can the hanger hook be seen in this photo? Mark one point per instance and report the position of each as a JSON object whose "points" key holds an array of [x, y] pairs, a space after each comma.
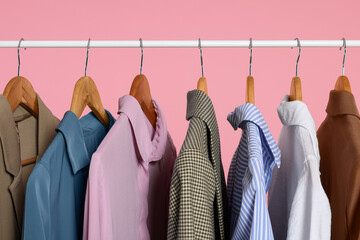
{"points": [[18, 54], [343, 63], [297, 61], [250, 46], [142, 55], [87, 55], [201, 59]]}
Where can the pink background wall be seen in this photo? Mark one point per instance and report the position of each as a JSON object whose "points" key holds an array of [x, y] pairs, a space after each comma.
{"points": [[173, 72]]}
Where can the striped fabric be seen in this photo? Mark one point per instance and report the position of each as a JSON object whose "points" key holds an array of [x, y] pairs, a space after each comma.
{"points": [[198, 197], [250, 174]]}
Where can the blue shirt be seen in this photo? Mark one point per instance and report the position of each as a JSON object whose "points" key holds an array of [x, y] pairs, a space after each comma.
{"points": [[55, 191], [250, 174]]}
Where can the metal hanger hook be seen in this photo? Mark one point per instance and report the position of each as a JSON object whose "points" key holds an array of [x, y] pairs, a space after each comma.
{"points": [[250, 46], [201, 59], [343, 63], [297, 61], [18, 54], [142, 55], [87, 55]]}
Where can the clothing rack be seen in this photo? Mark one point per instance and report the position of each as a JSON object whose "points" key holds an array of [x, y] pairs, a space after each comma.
{"points": [[176, 43]]}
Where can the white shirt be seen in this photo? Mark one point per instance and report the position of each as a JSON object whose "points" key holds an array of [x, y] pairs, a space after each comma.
{"points": [[298, 205]]}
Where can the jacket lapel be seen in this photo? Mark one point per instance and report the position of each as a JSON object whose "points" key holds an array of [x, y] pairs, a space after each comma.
{"points": [[200, 105], [17, 191], [11, 150]]}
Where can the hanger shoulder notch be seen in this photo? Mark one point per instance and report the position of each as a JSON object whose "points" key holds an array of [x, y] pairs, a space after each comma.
{"points": [[250, 90], [19, 91], [342, 84], [202, 85], [295, 89], [140, 89]]}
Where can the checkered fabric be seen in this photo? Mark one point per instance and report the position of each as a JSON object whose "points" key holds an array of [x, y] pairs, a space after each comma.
{"points": [[198, 196]]}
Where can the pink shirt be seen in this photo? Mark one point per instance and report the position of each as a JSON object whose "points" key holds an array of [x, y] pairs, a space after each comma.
{"points": [[127, 195]]}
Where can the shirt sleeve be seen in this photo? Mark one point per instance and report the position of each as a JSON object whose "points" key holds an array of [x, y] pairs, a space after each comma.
{"points": [[96, 223], [192, 194], [254, 220], [353, 205], [37, 205]]}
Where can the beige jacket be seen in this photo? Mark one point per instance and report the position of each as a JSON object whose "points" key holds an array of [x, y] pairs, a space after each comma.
{"points": [[21, 137]]}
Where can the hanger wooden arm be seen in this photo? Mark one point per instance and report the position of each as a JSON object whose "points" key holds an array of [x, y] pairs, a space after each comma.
{"points": [[19, 91], [28, 161], [342, 84], [202, 85], [295, 89], [87, 94], [250, 90], [140, 89]]}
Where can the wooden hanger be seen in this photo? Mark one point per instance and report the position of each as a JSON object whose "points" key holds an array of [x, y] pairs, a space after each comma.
{"points": [[19, 91], [86, 94], [342, 84], [250, 90], [295, 89], [140, 89], [202, 85]]}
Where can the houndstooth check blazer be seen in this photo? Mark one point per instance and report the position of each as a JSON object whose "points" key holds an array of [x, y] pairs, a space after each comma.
{"points": [[198, 196]]}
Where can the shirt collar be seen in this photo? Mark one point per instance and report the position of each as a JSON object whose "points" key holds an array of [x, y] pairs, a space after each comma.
{"points": [[199, 105], [296, 113], [249, 113], [150, 149], [342, 103], [46, 132], [72, 130]]}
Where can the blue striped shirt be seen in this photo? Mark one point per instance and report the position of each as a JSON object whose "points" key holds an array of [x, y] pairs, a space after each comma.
{"points": [[250, 174]]}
